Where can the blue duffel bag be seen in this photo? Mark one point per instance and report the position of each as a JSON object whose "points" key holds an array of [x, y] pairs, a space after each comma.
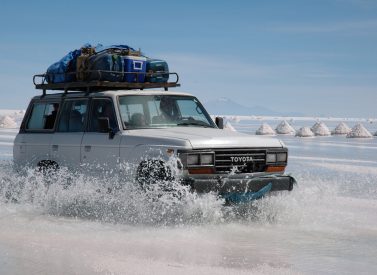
{"points": [[106, 66], [63, 70]]}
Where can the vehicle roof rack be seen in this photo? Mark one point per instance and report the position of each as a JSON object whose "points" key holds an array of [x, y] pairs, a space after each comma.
{"points": [[41, 82]]}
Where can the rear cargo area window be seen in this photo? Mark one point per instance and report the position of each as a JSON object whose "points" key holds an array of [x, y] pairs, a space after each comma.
{"points": [[43, 116]]}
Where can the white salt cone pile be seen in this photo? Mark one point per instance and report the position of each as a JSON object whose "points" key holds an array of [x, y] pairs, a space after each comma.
{"points": [[285, 128], [320, 129], [229, 127], [315, 126], [341, 129], [265, 129], [7, 122], [236, 119], [304, 132], [359, 131]]}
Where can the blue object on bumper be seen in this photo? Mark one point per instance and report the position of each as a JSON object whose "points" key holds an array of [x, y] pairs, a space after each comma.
{"points": [[238, 183], [247, 196]]}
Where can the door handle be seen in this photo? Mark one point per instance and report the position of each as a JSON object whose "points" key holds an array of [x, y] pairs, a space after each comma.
{"points": [[87, 148], [55, 147]]}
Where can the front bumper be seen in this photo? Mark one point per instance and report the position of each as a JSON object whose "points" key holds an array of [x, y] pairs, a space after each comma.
{"points": [[239, 183]]}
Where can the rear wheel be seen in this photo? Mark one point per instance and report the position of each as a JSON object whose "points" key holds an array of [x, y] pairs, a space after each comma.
{"points": [[48, 170], [47, 167]]}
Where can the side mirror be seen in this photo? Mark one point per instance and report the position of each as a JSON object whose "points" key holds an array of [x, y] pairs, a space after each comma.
{"points": [[219, 122], [104, 126]]}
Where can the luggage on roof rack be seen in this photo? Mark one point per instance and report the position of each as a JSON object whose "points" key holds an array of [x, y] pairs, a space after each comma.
{"points": [[99, 68], [59, 70], [157, 66], [114, 63], [111, 65]]}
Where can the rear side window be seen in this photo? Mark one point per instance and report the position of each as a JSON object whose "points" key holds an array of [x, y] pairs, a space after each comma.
{"points": [[73, 116], [43, 116]]}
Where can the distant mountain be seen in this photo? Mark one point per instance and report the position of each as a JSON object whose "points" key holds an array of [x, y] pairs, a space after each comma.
{"points": [[226, 106]]}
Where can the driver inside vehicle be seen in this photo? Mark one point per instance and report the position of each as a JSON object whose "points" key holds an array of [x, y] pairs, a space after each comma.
{"points": [[168, 111]]}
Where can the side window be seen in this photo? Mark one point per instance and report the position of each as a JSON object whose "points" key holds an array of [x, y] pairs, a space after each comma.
{"points": [[73, 115], [102, 108], [43, 116]]}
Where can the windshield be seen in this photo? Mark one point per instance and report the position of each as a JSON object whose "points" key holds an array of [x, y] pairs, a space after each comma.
{"points": [[155, 111]]}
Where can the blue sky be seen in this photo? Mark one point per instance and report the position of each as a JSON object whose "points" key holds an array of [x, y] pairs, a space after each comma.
{"points": [[315, 57]]}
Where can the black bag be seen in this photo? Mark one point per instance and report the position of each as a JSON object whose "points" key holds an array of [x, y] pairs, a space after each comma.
{"points": [[157, 71], [105, 66]]}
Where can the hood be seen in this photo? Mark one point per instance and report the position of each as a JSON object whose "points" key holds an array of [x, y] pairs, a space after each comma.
{"points": [[201, 138]]}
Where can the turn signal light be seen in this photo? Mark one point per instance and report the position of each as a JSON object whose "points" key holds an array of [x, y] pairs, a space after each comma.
{"points": [[272, 169], [203, 170]]}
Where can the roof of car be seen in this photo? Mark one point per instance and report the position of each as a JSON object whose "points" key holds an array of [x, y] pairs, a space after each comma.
{"points": [[111, 93]]}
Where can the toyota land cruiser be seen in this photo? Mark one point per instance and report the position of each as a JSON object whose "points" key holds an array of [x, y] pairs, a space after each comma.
{"points": [[148, 129]]}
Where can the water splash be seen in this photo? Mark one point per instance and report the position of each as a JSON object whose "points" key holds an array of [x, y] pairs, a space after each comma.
{"points": [[320, 200], [108, 199]]}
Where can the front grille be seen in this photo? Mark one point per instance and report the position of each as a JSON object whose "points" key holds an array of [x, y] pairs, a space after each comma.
{"points": [[240, 160]]}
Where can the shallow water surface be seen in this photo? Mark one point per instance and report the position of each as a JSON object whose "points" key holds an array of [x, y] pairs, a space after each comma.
{"points": [[326, 225]]}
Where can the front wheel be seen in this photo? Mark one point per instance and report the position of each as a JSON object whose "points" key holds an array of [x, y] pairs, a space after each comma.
{"points": [[157, 180], [152, 172]]}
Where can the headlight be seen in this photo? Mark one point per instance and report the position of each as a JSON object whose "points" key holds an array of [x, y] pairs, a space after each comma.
{"points": [[271, 158], [276, 157], [192, 159], [206, 159], [281, 157]]}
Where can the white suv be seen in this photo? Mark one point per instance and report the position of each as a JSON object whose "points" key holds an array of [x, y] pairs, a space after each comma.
{"points": [[154, 132]]}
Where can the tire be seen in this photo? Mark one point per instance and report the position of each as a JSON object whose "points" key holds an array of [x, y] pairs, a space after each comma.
{"points": [[48, 170], [47, 167], [153, 172]]}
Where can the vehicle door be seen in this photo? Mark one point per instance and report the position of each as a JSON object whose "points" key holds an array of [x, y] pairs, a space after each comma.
{"points": [[100, 150], [66, 142], [34, 142]]}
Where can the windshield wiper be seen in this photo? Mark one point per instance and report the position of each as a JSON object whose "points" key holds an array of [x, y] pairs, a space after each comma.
{"points": [[193, 123]]}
